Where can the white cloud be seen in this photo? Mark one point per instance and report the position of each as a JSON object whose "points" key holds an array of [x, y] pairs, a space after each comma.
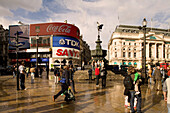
{"points": [[30, 5], [85, 14]]}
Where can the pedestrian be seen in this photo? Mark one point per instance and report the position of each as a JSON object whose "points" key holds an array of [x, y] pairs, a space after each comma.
{"points": [[150, 75], [41, 71], [90, 74], [22, 75], [131, 72], [27, 71], [56, 75], [32, 71], [158, 77], [61, 71], [166, 90], [47, 70], [103, 76], [97, 73], [14, 71], [65, 84], [168, 72], [163, 74], [128, 84], [71, 73], [136, 82]]}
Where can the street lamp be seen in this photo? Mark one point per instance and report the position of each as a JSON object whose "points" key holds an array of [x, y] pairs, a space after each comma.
{"points": [[144, 23], [37, 30]]}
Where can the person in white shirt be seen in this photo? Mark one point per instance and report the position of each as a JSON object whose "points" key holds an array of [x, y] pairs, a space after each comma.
{"points": [[22, 76]]}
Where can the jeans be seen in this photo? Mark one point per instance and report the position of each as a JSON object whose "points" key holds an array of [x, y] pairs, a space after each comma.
{"points": [[22, 81], [97, 77], [138, 102], [73, 86], [104, 81], [64, 87]]}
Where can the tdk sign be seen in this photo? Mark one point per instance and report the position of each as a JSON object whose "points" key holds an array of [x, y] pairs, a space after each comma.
{"points": [[62, 41]]}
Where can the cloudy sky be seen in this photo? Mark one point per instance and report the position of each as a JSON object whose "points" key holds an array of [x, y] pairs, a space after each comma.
{"points": [[85, 13]]}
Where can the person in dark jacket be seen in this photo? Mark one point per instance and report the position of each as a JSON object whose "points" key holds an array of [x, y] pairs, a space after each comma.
{"points": [[158, 77], [131, 72], [103, 76], [90, 74], [65, 83], [71, 72]]}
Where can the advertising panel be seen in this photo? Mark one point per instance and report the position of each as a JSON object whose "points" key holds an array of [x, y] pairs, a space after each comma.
{"points": [[23, 38], [63, 52], [54, 28], [62, 41]]}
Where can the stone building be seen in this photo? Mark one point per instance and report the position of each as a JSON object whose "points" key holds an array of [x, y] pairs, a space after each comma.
{"points": [[85, 53], [126, 44], [3, 47]]}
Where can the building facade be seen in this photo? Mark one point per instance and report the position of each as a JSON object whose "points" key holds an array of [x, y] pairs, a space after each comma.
{"points": [[4, 47], [58, 44], [126, 45], [85, 53]]}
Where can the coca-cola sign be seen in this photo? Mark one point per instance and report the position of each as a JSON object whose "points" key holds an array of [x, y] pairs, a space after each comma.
{"points": [[63, 29]]}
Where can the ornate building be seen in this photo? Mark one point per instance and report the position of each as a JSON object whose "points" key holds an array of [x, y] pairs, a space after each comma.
{"points": [[126, 44], [3, 47], [85, 53]]}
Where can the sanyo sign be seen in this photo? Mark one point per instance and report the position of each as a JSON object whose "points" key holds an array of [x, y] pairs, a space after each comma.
{"points": [[63, 52]]}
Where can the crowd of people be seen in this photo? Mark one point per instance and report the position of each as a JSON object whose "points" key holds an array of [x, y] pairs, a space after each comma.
{"points": [[159, 77], [133, 79], [23, 71]]}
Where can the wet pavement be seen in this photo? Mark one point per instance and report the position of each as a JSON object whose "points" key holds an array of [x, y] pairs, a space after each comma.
{"points": [[38, 97]]}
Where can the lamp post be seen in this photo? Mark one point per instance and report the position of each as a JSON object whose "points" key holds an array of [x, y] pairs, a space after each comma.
{"points": [[17, 61], [37, 29], [144, 23]]}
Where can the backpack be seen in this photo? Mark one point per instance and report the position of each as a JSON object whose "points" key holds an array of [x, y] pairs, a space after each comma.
{"points": [[128, 82]]}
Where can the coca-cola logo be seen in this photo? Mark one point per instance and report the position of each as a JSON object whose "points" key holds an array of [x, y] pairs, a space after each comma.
{"points": [[60, 28]]}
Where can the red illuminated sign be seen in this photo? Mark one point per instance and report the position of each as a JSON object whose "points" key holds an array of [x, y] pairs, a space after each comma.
{"points": [[20, 60], [54, 28], [62, 52]]}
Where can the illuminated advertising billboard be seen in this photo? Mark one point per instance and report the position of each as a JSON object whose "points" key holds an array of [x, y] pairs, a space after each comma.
{"points": [[54, 28], [63, 52], [23, 38], [63, 41]]}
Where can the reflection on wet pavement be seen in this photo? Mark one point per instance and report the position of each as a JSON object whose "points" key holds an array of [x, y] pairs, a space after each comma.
{"points": [[38, 98]]}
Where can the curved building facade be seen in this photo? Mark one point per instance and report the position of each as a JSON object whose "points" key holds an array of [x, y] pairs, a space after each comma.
{"points": [[58, 43]]}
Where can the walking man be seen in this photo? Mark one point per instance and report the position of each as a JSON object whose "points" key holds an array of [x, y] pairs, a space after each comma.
{"points": [[65, 83], [22, 75], [158, 77], [90, 74]]}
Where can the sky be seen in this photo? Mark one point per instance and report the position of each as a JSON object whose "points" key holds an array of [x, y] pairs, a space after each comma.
{"points": [[86, 13]]}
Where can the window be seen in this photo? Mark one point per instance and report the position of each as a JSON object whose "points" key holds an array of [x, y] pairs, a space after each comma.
{"points": [[135, 44], [129, 43], [129, 49], [129, 54], [134, 49], [124, 54], [123, 43], [123, 48], [134, 54], [115, 48], [115, 43]]}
